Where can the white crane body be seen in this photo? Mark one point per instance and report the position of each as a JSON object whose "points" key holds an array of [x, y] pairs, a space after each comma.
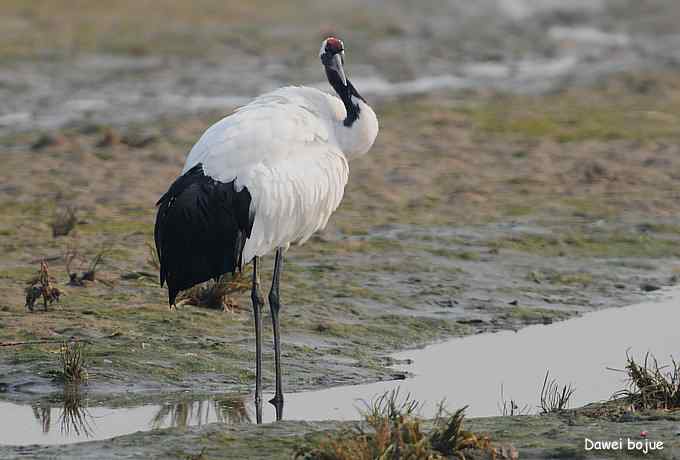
{"points": [[265, 177], [283, 147]]}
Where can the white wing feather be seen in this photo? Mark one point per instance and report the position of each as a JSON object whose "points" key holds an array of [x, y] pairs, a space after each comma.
{"points": [[282, 147]]}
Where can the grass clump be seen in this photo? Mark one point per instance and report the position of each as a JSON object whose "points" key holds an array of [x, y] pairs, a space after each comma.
{"points": [[89, 275], [72, 364], [651, 386], [392, 429], [41, 286], [449, 438], [554, 398], [510, 407], [64, 222], [217, 294]]}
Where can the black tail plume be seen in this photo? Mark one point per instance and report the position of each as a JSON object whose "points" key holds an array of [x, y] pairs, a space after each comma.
{"points": [[201, 228]]}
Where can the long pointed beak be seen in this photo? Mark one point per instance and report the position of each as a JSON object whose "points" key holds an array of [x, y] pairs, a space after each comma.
{"points": [[336, 64]]}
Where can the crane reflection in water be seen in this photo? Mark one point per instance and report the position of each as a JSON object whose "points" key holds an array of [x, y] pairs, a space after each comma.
{"points": [[229, 410], [77, 421]]}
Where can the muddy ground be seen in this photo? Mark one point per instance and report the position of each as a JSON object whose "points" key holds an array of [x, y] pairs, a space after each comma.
{"points": [[492, 214], [64, 61], [482, 206]]}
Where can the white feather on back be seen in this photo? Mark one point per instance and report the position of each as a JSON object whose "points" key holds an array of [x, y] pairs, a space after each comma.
{"points": [[283, 148]]}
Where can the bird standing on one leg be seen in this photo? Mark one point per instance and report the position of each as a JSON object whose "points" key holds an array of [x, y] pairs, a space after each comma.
{"points": [[267, 176]]}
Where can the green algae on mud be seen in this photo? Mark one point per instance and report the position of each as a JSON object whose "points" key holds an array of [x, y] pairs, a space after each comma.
{"points": [[630, 244]]}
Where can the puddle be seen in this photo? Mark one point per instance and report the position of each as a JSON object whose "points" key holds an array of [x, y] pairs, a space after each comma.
{"points": [[470, 371], [73, 421], [466, 371]]}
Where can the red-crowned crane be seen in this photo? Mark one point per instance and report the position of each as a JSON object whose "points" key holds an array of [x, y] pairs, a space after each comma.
{"points": [[265, 177]]}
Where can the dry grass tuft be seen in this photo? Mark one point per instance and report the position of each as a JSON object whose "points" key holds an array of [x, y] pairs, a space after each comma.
{"points": [[217, 294], [89, 275], [553, 397], [110, 138], [198, 456], [47, 141], [41, 286], [72, 361], [64, 222], [393, 430], [449, 437], [510, 408], [651, 386]]}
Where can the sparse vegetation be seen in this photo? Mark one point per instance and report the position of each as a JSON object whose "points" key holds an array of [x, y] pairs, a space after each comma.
{"points": [[72, 364], [553, 397], [41, 286], [449, 437], [392, 429], [571, 117], [217, 294], [651, 386], [89, 275], [510, 408], [198, 456], [64, 222]]}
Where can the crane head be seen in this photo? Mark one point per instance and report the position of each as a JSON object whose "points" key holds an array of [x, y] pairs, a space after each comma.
{"points": [[332, 55]]}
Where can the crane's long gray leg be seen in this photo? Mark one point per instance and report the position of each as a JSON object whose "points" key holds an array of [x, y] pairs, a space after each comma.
{"points": [[275, 306], [258, 302]]}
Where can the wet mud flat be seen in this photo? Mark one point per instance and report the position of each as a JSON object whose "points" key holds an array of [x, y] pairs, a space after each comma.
{"points": [[526, 174], [494, 214], [114, 64]]}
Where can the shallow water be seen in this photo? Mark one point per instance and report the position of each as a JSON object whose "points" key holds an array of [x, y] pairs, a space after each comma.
{"points": [[466, 371], [73, 421], [470, 371]]}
